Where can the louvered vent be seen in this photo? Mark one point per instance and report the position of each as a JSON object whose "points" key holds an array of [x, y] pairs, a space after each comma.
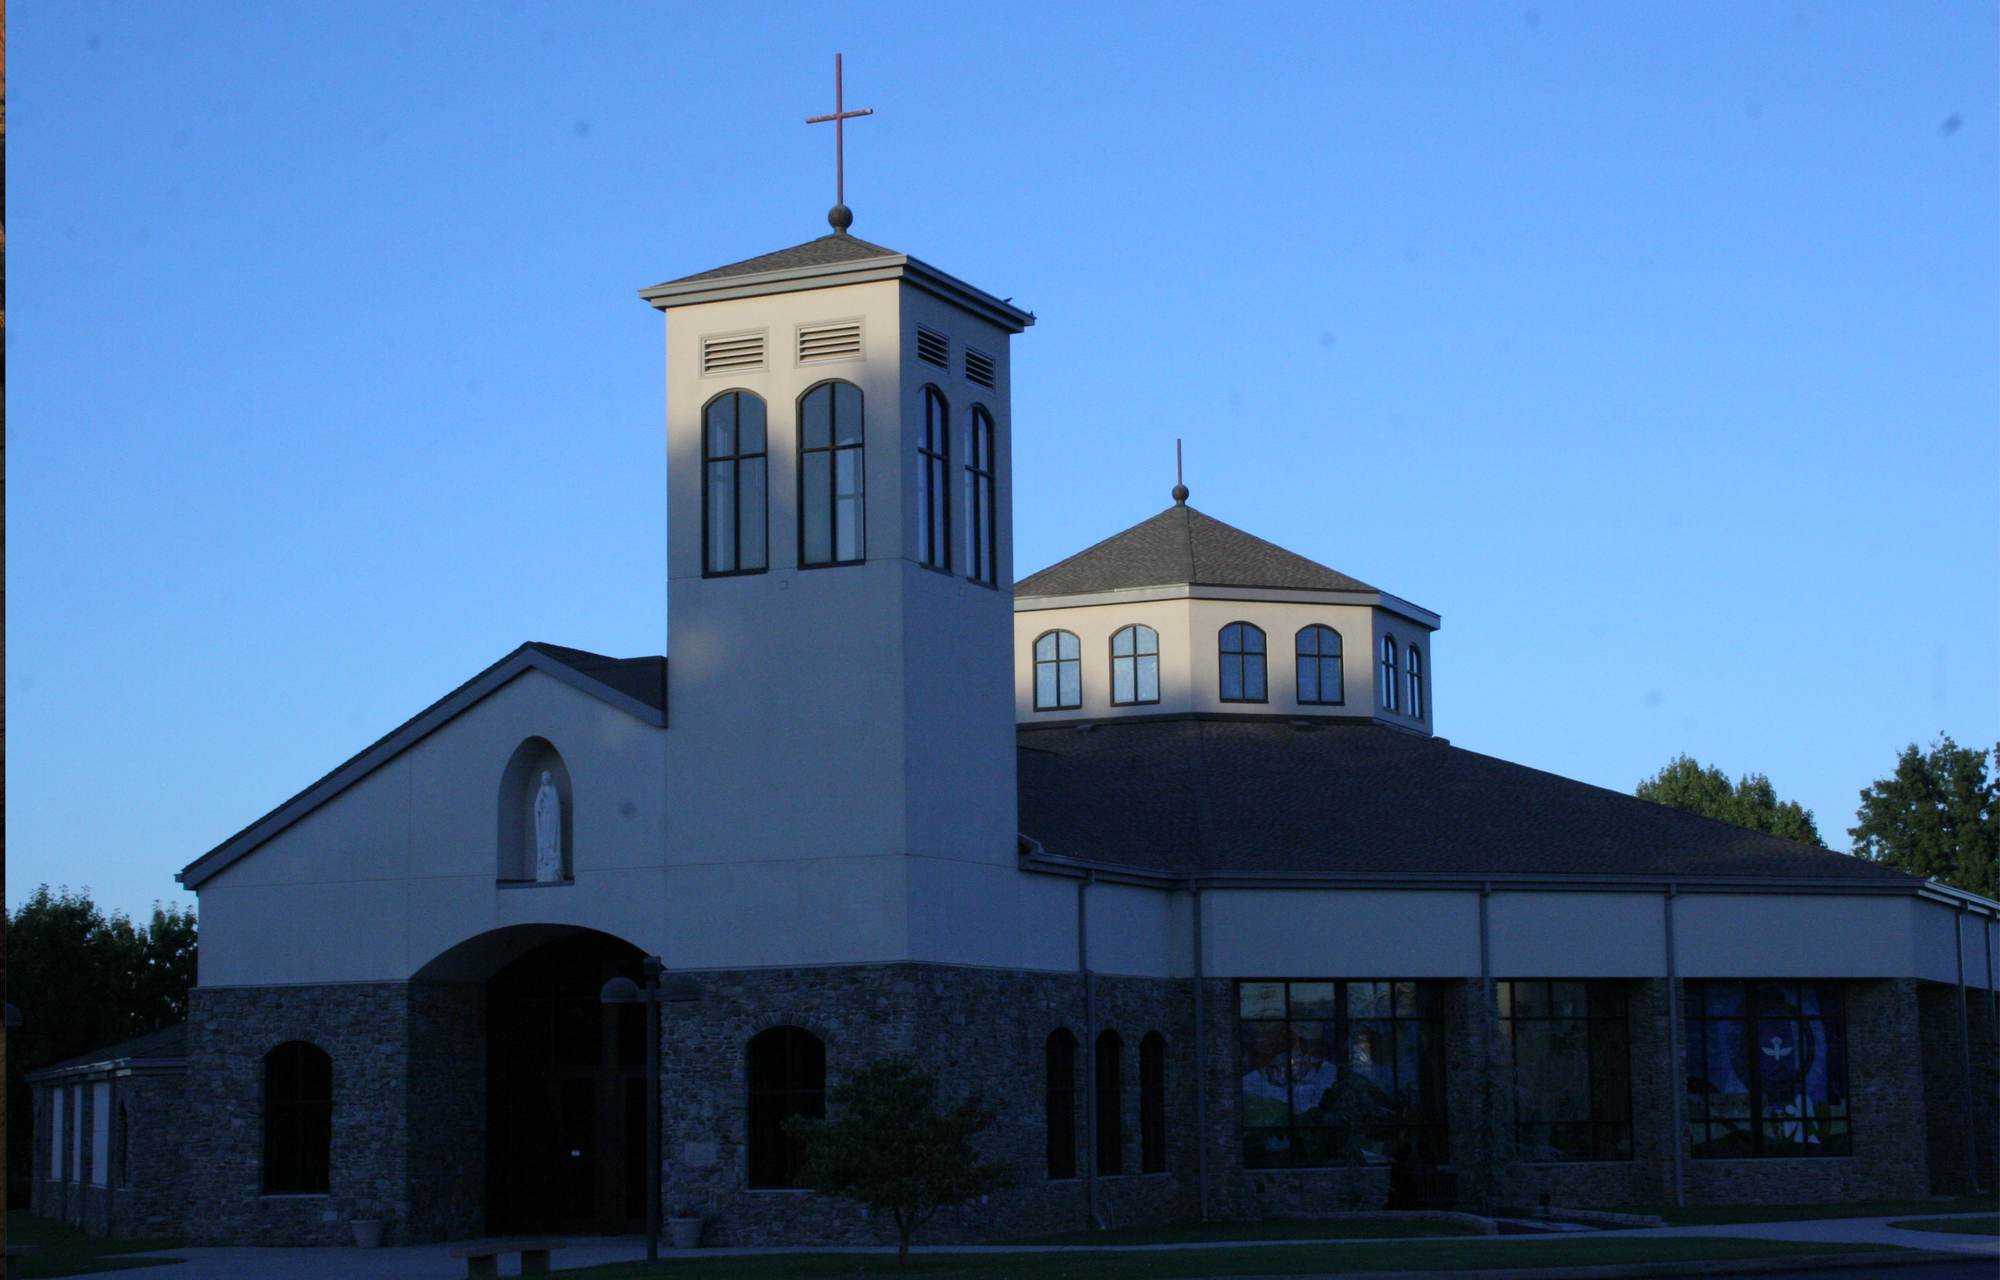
{"points": [[979, 368], [839, 341], [933, 348], [731, 353]]}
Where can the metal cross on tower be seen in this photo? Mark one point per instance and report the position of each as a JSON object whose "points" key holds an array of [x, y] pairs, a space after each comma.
{"points": [[840, 216]]}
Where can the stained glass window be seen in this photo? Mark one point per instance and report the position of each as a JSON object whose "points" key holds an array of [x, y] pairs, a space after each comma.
{"points": [[1767, 1069], [1572, 1068], [1336, 1073]]}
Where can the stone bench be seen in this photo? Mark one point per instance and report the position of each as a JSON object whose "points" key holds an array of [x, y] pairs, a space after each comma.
{"points": [[483, 1259]]}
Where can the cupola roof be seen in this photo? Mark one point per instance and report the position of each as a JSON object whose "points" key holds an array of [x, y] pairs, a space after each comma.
{"points": [[1183, 546], [823, 252]]}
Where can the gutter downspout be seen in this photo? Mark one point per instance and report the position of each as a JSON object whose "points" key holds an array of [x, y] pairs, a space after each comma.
{"points": [[1965, 1046], [1675, 1088], [1488, 1016], [1200, 1063], [1089, 1047]]}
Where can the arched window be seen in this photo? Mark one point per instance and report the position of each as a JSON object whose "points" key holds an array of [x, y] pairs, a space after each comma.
{"points": [[981, 553], [1242, 663], [298, 1120], [1058, 672], [1320, 682], [1153, 1103], [1135, 666], [1110, 1104], [1389, 679], [933, 483], [1413, 661], [831, 477], [787, 1076], [1059, 1063], [733, 478]]}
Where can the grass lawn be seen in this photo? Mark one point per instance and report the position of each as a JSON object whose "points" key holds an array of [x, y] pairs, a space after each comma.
{"points": [[1417, 1255], [62, 1250], [1723, 1215], [1957, 1226], [1284, 1229]]}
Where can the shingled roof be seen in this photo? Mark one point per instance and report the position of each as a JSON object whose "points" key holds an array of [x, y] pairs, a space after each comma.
{"points": [[1182, 546], [823, 252], [1225, 795], [166, 1044]]}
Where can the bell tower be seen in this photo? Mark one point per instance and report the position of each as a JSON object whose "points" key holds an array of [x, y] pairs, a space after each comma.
{"points": [[840, 563]]}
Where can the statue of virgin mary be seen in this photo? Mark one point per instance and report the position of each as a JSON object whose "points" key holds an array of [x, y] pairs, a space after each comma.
{"points": [[548, 832]]}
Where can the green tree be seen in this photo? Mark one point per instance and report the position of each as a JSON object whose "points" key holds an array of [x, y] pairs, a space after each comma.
{"points": [[1937, 816], [891, 1147], [1751, 801], [82, 981]]}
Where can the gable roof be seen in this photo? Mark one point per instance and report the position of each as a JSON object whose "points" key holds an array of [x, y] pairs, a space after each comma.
{"points": [[1183, 546], [823, 252], [636, 686], [1266, 799], [168, 1044]]}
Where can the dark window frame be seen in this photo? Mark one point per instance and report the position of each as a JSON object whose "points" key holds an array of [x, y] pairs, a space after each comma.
{"points": [[1320, 659], [1413, 667], [982, 525], [1059, 1103], [736, 460], [1748, 1136], [772, 1156], [1110, 1104], [1391, 674], [297, 1107], [1152, 1103], [834, 449], [1243, 654], [1057, 663], [1606, 1043], [1422, 1131], [1138, 631], [934, 482]]}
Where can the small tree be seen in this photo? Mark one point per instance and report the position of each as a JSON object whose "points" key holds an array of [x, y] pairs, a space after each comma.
{"points": [[1937, 816], [892, 1148]]}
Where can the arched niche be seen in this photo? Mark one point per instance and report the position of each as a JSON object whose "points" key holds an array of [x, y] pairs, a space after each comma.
{"points": [[520, 787]]}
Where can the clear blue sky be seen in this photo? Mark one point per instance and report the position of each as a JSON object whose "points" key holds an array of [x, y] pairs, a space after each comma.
{"points": [[1654, 346]]}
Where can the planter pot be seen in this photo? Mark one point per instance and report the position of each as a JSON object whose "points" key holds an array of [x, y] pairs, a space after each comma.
{"points": [[686, 1232], [367, 1233]]}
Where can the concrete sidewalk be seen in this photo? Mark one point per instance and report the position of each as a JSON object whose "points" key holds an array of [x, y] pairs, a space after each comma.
{"points": [[1843, 1231]]}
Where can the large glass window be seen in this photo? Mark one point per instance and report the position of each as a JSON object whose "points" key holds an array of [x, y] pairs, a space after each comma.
{"points": [[298, 1120], [1242, 663], [1767, 1069], [1153, 1103], [1413, 663], [1320, 681], [1058, 672], [733, 497], [831, 475], [933, 486], [1110, 1104], [1135, 666], [982, 553], [1572, 1068], [787, 1077], [1389, 680], [1334, 1072], [1059, 1101]]}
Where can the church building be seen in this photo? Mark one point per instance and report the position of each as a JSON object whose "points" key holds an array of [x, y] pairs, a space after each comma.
{"points": [[1156, 848]]}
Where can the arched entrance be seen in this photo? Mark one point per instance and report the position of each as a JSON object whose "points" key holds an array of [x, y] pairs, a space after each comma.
{"points": [[565, 1099]]}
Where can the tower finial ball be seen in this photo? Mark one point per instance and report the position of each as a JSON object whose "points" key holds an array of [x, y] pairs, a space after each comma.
{"points": [[840, 217], [1180, 493]]}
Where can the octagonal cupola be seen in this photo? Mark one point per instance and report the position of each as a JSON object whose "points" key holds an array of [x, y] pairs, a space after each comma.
{"points": [[1183, 614]]}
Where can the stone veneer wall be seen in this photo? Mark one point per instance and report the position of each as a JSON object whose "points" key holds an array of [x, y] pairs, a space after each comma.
{"points": [[976, 1029], [1959, 1086], [146, 1196], [424, 1187]]}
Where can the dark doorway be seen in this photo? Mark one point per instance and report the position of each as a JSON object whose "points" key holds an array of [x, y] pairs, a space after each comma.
{"points": [[566, 1097]]}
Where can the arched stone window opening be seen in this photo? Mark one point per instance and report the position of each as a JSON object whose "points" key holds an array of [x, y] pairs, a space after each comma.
{"points": [[1059, 1102], [1153, 1103], [787, 1077], [298, 1120], [537, 817], [1242, 651], [1110, 1104]]}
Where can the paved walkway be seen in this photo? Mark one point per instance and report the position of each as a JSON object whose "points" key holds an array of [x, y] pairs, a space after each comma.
{"points": [[434, 1261]]}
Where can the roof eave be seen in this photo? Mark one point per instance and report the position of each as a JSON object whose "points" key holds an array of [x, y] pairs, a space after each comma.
{"points": [[900, 266], [1206, 591]]}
